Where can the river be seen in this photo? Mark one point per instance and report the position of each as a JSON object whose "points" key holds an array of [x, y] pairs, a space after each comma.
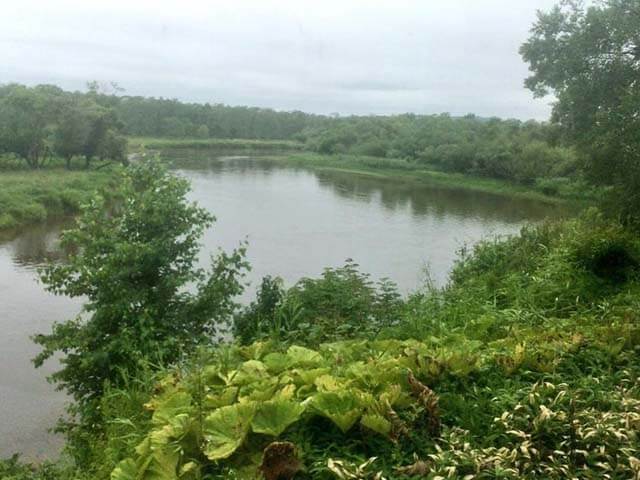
{"points": [[296, 222]]}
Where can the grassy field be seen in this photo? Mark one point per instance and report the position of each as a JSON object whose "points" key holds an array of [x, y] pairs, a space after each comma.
{"points": [[137, 144], [28, 197], [402, 170]]}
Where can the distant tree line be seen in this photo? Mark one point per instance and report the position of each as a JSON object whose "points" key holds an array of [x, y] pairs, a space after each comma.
{"points": [[38, 123], [158, 117], [507, 149]]}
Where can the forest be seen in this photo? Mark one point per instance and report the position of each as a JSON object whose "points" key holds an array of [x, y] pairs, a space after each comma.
{"points": [[523, 365]]}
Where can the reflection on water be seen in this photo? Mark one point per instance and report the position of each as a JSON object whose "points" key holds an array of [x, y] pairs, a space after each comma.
{"points": [[296, 221], [28, 404], [37, 244], [435, 201]]}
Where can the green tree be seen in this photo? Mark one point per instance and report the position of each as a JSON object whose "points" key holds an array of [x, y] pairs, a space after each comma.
{"points": [[72, 130], [590, 59], [145, 299], [202, 131], [26, 124]]}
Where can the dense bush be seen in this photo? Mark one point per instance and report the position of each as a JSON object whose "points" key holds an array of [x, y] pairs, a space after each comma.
{"points": [[342, 303]]}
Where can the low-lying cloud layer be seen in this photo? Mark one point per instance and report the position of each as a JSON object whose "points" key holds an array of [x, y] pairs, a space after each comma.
{"points": [[360, 57]]}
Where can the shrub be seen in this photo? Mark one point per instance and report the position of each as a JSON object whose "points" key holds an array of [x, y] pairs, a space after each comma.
{"points": [[342, 303], [132, 263]]}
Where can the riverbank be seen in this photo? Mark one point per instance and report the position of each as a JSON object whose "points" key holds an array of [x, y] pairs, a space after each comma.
{"points": [[29, 197], [139, 144], [551, 191], [401, 170]]}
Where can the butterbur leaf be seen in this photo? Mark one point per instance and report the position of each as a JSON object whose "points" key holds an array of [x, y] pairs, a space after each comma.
{"points": [[176, 404], [308, 377], [276, 362], [162, 466], [377, 423], [249, 372], [223, 398], [226, 428], [287, 392], [273, 417], [328, 383], [177, 428], [304, 357], [125, 470], [342, 408]]}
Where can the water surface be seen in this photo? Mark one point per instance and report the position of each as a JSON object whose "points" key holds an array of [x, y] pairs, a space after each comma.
{"points": [[296, 222]]}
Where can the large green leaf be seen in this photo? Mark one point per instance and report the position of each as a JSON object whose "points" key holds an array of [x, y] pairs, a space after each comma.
{"points": [[277, 362], [163, 465], [308, 377], [221, 398], [125, 470], [274, 416], [304, 357], [154, 462], [226, 428], [176, 404], [176, 429], [249, 372], [342, 408]]}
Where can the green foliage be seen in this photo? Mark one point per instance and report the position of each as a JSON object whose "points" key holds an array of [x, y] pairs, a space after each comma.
{"points": [[40, 122], [13, 469], [168, 118], [173, 145], [504, 149], [342, 303], [33, 197], [553, 269], [552, 432], [557, 190], [259, 317], [588, 56], [280, 399], [132, 262]]}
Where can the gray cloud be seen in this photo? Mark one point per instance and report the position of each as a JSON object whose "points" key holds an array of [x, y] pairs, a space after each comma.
{"points": [[356, 56]]}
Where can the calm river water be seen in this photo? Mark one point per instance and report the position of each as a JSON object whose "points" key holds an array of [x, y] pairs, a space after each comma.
{"points": [[296, 222]]}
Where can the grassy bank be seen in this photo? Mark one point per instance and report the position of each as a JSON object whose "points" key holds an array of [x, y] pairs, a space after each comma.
{"points": [[560, 190], [28, 197], [398, 169], [138, 144]]}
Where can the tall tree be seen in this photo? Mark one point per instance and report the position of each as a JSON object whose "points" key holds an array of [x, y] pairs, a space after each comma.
{"points": [[589, 57], [26, 119]]}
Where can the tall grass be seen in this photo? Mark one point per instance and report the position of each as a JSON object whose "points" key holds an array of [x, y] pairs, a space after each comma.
{"points": [[137, 144], [34, 196]]}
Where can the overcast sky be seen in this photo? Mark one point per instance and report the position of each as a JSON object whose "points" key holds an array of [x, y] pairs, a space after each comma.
{"points": [[323, 56]]}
